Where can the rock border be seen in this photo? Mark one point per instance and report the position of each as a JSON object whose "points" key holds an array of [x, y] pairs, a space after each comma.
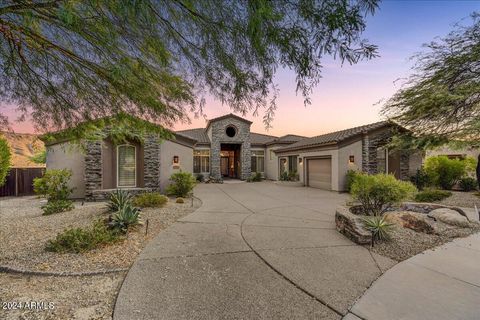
{"points": [[12, 270], [351, 226]]}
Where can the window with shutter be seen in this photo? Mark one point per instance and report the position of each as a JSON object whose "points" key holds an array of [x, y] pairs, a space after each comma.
{"points": [[126, 166]]}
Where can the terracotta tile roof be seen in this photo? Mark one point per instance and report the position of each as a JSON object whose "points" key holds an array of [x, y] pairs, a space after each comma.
{"points": [[334, 137], [289, 138], [200, 135], [259, 138]]}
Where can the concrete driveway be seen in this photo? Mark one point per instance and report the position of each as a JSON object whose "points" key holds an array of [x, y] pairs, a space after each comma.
{"points": [[252, 251]]}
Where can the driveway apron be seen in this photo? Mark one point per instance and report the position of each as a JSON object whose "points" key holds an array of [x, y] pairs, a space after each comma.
{"points": [[251, 251]]}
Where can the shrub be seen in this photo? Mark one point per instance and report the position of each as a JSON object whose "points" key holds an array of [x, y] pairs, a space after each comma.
{"points": [[57, 206], [118, 200], [468, 184], [78, 240], [180, 200], [284, 176], [256, 177], [444, 172], [293, 176], [125, 218], [4, 160], [431, 195], [200, 177], [420, 179], [350, 178], [39, 157], [182, 184], [378, 226], [150, 199], [378, 192], [54, 184]]}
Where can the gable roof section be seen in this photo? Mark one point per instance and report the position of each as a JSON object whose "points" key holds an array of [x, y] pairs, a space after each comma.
{"points": [[198, 134], [259, 138], [230, 115], [334, 137], [286, 139]]}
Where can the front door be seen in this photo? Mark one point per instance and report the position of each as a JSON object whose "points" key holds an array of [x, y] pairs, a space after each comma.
{"points": [[224, 166]]}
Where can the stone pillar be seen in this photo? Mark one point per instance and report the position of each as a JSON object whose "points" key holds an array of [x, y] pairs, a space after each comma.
{"points": [[215, 170], [404, 165], [246, 160], [93, 168], [151, 169]]}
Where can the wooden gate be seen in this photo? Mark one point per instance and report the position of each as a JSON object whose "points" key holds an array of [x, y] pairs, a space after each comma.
{"points": [[19, 181]]}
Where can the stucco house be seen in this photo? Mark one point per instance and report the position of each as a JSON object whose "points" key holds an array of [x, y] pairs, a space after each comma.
{"points": [[226, 148]]}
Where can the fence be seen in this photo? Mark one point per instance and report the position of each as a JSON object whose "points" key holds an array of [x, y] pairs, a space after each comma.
{"points": [[19, 181]]}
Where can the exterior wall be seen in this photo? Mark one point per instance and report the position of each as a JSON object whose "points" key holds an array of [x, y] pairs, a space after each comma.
{"points": [[271, 165], [218, 136], [151, 167], [354, 149], [69, 156], [93, 168], [169, 149], [415, 162]]}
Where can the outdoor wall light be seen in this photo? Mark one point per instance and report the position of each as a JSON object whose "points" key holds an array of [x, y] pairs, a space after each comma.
{"points": [[300, 160], [351, 159], [175, 159]]}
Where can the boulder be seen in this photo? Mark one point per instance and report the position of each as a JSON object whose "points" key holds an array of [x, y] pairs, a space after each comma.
{"points": [[351, 226], [449, 216], [415, 221]]}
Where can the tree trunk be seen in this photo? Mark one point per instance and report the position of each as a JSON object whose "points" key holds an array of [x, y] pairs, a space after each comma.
{"points": [[478, 171]]}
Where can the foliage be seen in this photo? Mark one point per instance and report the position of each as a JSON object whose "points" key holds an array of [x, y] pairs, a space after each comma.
{"points": [[125, 218], [150, 199], [118, 199], [182, 184], [468, 184], [379, 227], [256, 177], [293, 176], [376, 193], [350, 178], [439, 102], [78, 240], [200, 177], [444, 172], [284, 176], [54, 184], [57, 206], [432, 195], [180, 200], [39, 157], [5, 157], [68, 61], [420, 179]]}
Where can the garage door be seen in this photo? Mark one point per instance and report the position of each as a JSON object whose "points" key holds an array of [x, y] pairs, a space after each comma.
{"points": [[319, 173]]}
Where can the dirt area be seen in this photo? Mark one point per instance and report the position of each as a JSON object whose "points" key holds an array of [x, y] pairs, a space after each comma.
{"points": [[24, 233], [462, 199]]}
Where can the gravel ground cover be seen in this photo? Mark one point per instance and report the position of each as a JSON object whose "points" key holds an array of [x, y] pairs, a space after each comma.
{"points": [[462, 199], [405, 243], [24, 233]]}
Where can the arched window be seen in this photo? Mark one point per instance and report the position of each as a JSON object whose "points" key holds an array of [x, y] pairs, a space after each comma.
{"points": [[126, 166]]}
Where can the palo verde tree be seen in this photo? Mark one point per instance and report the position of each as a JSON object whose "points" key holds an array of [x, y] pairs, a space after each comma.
{"points": [[4, 160], [67, 61], [440, 102]]}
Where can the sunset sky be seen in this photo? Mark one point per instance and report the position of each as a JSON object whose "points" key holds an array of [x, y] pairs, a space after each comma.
{"points": [[352, 95]]}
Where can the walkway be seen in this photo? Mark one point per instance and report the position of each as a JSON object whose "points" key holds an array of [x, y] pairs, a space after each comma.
{"points": [[252, 251]]}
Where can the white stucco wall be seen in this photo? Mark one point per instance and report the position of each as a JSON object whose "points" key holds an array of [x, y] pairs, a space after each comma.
{"points": [[69, 156], [271, 163], [169, 149], [354, 149]]}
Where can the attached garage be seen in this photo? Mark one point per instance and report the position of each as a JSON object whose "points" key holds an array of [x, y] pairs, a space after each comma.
{"points": [[319, 173]]}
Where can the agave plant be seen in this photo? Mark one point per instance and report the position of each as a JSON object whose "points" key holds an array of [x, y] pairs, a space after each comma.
{"points": [[118, 200], [125, 218], [379, 227]]}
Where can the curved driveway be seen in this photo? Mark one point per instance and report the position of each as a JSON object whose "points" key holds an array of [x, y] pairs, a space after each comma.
{"points": [[251, 251]]}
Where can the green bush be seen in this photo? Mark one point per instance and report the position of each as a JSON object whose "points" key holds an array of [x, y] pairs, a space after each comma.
{"points": [[78, 240], [54, 184], [40, 157], [125, 218], [150, 199], [284, 176], [180, 200], [378, 226], [432, 195], [468, 184], [293, 176], [378, 192], [350, 178], [256, 177], [444, 172], [182, 184], [421, 179], [118, 199], [4, 160], [200, 177], [57, 206]]}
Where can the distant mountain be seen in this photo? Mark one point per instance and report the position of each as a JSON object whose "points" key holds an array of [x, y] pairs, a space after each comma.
{"points": [[23, 146]]}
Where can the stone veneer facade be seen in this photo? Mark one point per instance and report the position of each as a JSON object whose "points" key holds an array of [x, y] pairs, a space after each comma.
{"points": [[217, 135], [374, 140], [93, 169]]}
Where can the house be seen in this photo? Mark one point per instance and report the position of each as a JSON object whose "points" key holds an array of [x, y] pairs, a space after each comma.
{"points": [[226, 148]]}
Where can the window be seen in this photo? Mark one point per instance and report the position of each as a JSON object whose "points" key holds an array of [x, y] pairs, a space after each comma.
{"points": [[231, 131], [201, 161], [258, 161], [292, 163], [381, 160], [126, 166]]}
